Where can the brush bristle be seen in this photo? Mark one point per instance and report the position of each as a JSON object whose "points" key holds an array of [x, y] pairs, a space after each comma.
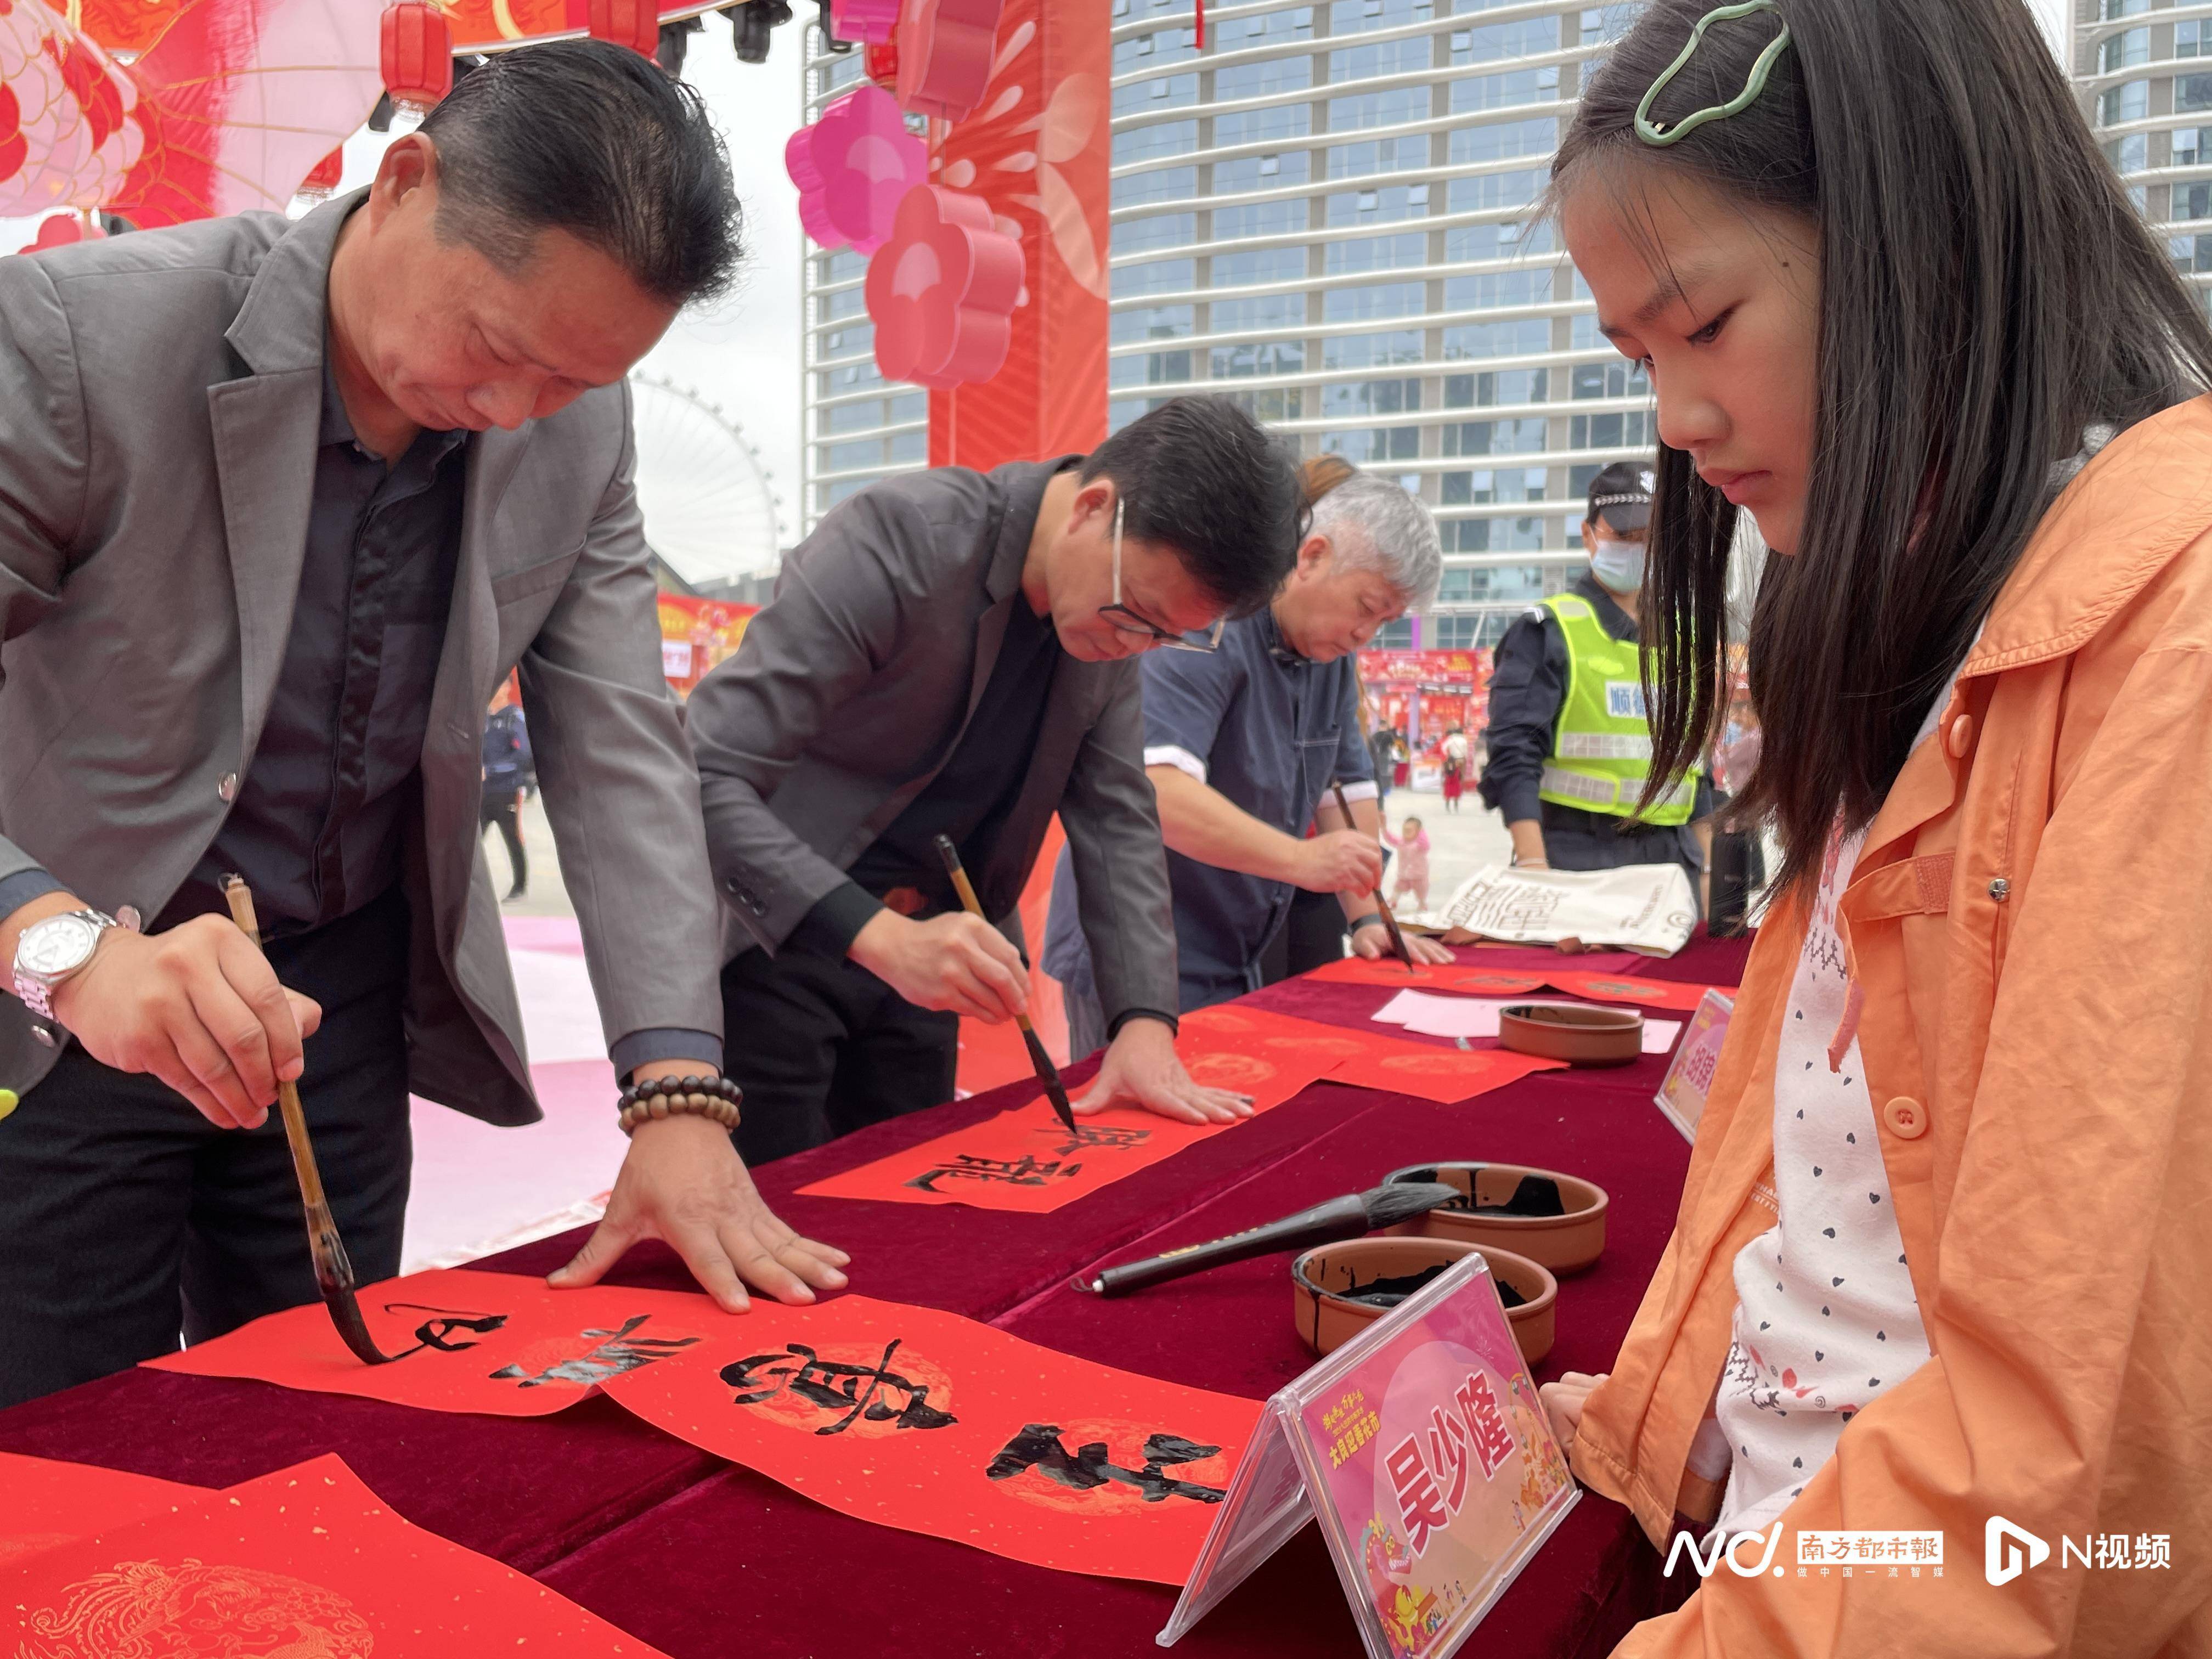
{"points": [[1401, 1200]]}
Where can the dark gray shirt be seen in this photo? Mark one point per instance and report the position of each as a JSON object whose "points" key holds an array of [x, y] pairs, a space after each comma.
{"points": [[315, 830]]}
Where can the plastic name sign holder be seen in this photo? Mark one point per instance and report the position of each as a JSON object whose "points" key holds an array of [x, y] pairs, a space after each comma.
{"points": [[1682, 1092], [1422, 1446]]}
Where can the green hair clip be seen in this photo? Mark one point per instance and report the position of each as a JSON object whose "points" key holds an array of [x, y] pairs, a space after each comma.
{"points": [[1650, 134]]}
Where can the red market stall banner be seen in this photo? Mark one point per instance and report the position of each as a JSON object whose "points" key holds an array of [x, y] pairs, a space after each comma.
{"points": [[499, 1343], [1432, 671], [306, 1561], [695, 634], [923, 1420]]}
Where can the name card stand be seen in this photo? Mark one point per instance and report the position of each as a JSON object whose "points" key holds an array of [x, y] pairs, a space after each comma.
{"points": [[1423, 1449], [1682, 1092]]}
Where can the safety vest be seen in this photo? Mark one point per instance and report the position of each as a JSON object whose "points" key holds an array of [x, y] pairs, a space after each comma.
{"points": [[1602, 750]]}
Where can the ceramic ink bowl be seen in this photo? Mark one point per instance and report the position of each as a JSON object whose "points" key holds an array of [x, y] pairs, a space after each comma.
{"points": [[1578, 1035], [1338, 1288], [1554, 1220]]}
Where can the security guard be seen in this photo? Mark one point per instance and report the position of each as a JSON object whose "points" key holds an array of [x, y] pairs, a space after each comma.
{"points": [[1569, 740]]}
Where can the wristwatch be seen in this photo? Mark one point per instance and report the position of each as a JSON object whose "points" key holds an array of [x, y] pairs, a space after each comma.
{"points": [[49, 952]]}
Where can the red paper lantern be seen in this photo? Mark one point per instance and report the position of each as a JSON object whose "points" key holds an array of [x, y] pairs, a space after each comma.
{"points": [[880, 63], [632, 23], [324, 179], [417, 54]]}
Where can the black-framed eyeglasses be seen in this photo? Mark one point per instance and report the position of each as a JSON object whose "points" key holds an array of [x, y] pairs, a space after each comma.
{"points": [[1126, 621]]}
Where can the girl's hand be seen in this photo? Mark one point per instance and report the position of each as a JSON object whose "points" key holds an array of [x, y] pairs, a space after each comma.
{"points": [[1563, 1404]]}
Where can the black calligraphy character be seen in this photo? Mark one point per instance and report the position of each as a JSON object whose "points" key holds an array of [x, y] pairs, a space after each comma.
{"points": [[835, 1385], [1023, 1171], [1038, 1447], [438, 1333], [619, 1353], [1095, 1134]]}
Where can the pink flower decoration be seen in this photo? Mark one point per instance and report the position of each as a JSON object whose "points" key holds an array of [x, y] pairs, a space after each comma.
{"points": [[944, 50], [871, 20], [852, 168], [942, 290], [59, 231]]}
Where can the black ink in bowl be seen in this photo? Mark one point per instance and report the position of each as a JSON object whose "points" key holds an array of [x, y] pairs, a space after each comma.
{"points": [[1388, 1292]]}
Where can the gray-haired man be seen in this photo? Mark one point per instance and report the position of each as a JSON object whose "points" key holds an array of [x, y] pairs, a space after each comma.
{"points": [[1242, 747], [280, 506]]}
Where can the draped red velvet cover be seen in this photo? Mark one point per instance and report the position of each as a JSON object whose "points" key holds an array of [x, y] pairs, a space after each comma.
{"points": [[704, 1560]]}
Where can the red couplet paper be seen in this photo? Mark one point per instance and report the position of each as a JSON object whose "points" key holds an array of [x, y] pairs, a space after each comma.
{"points": [[43, 1503], [304, 1562], [500, 1344], [1648, 993], [1444, 1075], [925, 1421], [1490, 982], [1026, 1159]]}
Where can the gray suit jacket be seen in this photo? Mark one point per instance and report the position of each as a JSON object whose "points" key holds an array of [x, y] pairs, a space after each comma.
{"points": [[852, 689], [160, 396]]}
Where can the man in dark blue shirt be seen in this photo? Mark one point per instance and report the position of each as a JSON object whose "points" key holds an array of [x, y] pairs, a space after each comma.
{"points": [[1244, 744], [507, 779]]}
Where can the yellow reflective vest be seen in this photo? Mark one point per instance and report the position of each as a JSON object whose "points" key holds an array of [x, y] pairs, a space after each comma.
{"points": [[1601, 748]]}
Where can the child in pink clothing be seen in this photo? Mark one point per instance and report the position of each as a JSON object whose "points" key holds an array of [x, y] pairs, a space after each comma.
{"points": [[1413, 863]]}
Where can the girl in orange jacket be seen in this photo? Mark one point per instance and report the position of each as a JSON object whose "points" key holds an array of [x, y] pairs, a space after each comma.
{"points": [[1940, 1259]]}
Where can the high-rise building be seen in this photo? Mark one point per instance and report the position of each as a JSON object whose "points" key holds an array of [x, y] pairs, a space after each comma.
{"points": [[2143, 70], [1325, 212], [858, 427]]}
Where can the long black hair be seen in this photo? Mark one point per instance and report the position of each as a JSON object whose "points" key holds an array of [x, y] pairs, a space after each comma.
{"points": [[1988, 294]]}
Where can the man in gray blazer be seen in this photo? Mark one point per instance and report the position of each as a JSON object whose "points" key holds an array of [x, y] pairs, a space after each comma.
{"points": [[281, 505], [953, 654]]}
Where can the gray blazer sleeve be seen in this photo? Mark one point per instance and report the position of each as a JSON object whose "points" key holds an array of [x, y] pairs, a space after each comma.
{"points": [[620, 788], [44, 474], [834, 620], [1113, 822]]}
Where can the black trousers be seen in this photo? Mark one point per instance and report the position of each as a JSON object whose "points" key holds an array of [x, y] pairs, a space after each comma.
{"points": [[127, 1219], [499, 808], [821, 1049], [1576, 840]]}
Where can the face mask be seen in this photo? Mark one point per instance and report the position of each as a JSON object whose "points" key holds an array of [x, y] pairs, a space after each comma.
{"points": [[1619, 566]]}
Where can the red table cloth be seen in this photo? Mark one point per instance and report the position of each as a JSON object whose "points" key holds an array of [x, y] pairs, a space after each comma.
{"points": [[704, 1559]]}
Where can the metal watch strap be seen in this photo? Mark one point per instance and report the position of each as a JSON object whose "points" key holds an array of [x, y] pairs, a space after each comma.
{"points": [[36, 993]]}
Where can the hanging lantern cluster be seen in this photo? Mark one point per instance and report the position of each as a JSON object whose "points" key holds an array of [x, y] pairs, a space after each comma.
{"points": [[417, 56]]}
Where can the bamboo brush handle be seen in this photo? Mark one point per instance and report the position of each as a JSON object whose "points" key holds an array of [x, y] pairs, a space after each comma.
{"points": [[240, 897]]}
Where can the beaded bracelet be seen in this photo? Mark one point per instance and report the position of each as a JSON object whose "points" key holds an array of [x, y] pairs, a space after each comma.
{"points": [[712, 1096]]}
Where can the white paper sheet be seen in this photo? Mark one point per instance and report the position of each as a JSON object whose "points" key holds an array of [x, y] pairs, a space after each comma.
{"points": [[1432, 1015]]}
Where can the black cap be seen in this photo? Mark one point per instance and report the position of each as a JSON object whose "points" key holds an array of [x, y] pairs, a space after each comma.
{"points": [[1620, 495]]}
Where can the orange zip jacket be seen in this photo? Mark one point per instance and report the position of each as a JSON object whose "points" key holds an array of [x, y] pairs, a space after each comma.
{"points": [[2028, 934]]}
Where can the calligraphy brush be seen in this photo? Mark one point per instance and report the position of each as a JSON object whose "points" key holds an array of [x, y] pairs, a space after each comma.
{"points": [[1047, 1072], [333, 1272], [1324, 1223], [1389, 922]]}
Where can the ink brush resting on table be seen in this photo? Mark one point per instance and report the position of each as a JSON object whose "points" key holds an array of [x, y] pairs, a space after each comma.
{"points": [[333, 1272], [1047, 1072], [1324, 1223], [1389, 922]]}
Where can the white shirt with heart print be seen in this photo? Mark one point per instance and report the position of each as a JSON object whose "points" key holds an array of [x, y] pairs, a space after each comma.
{"points": [[1826, 1318]]}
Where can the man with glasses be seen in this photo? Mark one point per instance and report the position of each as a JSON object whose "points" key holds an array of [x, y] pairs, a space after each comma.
{"points": [[952, 653]]}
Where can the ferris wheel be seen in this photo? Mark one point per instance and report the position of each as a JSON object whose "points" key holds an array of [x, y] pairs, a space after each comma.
{"points": [[711, 511]]}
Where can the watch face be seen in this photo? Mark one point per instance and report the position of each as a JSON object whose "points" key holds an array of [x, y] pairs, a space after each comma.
{"points": [[56, 945]]}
